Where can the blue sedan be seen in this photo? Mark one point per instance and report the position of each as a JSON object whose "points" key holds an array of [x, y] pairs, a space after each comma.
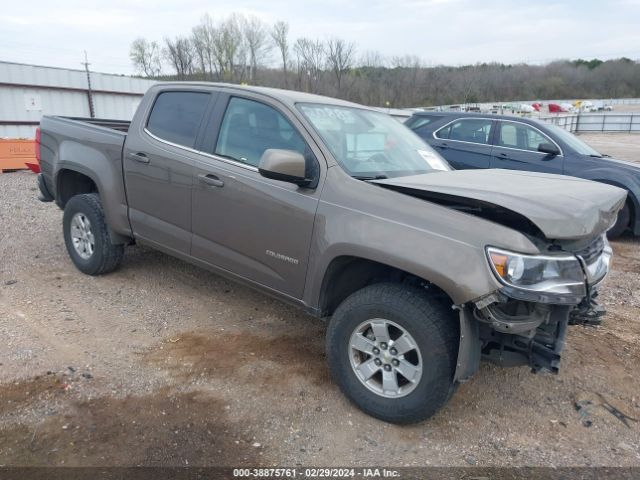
{"points": [[470, 140]]}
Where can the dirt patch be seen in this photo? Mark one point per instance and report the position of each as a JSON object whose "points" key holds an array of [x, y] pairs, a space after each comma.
{"points": [[244, 357], [626, 257], [22, 394], [159, 430]]}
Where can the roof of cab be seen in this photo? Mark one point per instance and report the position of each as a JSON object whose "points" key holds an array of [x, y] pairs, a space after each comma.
{"points": [[289, 97]]}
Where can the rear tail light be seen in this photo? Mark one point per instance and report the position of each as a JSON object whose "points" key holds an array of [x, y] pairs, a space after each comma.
{"points": [[38, 144]]}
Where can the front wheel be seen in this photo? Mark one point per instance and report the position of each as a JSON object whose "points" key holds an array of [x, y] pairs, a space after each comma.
{"points": [[87, 237], [392, 350]]}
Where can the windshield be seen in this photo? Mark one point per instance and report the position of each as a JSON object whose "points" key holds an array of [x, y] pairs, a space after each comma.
{"points": [[370, 144], [574, 142]]}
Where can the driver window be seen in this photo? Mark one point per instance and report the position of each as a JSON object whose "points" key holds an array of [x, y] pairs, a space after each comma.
{"points": [[249, 128], [535, 139], [521, 136]]}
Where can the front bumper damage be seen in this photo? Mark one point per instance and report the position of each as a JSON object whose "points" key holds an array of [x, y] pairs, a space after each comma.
{"points": [[535, 339], [515, 328]]}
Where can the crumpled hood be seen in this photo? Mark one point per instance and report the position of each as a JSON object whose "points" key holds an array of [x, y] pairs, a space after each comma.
{"points": [[561, 207]]}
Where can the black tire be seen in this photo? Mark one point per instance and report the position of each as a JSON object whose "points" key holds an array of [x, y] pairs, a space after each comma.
{"points": [[105, 257], [622, 223], [433, 326]]}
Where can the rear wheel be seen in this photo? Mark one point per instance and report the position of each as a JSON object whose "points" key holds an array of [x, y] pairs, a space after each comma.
{"points": [[622, 223], [392, 350], [87, 237]]}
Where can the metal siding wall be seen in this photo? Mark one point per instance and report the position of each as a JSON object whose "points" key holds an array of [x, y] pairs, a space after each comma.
{"points": [[35, 75], [113, 106], [63, 102], [66, 78], [53, 102], [101, 81], [17, 131]]}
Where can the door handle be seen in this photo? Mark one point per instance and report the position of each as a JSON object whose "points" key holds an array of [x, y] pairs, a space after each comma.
{"points": [[210, 179], [139, 157], [444, 145], [503, 156]]}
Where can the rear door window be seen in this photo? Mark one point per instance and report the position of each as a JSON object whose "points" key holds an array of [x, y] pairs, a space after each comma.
{"points": [[176, 116]]}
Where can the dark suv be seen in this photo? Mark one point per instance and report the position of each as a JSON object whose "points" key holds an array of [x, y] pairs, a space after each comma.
{"points": [[473, 140]]}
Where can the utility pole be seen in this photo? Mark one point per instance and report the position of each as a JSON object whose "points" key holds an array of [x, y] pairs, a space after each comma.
{"points": [[86, 64]]}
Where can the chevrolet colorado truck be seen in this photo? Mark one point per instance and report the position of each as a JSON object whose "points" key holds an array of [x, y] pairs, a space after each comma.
{"points": [[339, 209]]}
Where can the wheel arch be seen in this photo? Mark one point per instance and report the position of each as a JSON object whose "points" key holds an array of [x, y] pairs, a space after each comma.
{"points": [[347, 274], [70, 182]]}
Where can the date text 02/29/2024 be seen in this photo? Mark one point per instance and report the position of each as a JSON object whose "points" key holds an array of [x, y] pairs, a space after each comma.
{"points": [[315, 473]]}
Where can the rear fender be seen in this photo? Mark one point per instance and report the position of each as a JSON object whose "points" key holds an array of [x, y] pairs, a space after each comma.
{"points": [[104, 168]]}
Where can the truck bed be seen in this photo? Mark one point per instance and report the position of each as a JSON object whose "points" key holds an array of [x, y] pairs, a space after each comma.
{"points": [[69, 136], [91, 147], [120, 125]]}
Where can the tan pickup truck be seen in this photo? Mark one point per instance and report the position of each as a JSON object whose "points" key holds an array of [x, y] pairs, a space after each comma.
{"points": [[339, 209]]}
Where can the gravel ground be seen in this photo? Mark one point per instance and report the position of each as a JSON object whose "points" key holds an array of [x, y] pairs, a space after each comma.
{"points": [[162, 363]]}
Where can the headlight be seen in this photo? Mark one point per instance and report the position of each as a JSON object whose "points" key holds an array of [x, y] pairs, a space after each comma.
{"points": [[553, 274]]}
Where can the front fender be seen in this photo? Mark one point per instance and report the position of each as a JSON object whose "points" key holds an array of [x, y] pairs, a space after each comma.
{"points": [[438, 244]]}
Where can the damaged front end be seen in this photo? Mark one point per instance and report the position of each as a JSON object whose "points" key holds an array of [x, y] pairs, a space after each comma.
{"points": [[523, 333], [525, 322]]}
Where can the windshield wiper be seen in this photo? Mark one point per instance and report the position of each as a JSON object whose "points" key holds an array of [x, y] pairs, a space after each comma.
{"points": [[597, 156], [377, 177]]}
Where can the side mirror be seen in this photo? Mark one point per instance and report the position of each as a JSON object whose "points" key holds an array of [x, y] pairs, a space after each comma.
{"points": [[548, 148], [284, 165]]}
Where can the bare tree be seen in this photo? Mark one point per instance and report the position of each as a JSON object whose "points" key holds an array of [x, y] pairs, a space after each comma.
{"points": [[257, 41], [203, 40], [465, 84], [179, 52], [145, 56], [340, 56], [279, 34], [234, 49], [372, 59], [198, 43], [229, 49], [310, 55]]}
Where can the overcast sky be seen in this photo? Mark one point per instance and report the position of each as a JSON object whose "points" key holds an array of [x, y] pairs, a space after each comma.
{"points": [[451, 32]]}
